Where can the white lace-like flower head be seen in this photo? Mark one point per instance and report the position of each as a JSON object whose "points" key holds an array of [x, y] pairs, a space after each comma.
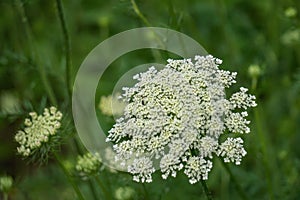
{"points": [[175, 117]]}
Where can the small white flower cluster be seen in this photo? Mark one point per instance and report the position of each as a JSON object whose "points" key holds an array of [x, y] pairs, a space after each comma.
{"points": [[232, 150], [175, 117], [142, 169], [38, 130], [88, 164]]}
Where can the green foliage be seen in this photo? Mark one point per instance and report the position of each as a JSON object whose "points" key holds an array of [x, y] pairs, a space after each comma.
{"points": [[241, 33]]}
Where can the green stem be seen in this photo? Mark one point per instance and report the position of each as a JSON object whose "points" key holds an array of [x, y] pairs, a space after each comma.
{"points": [[254, 84], [263, 143], [145, 191], [93, 189], [5, 196], [34, 55], [67, 174], [264, 147], [237, 185], [108, 182], [136, 9], [139, 13], [76, 143], [226, 30], [206, 191], [67, 45], [105, 192]]}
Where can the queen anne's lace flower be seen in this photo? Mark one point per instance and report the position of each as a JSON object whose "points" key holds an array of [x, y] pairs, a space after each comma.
{"points": [[38, 130], [174, 118]]}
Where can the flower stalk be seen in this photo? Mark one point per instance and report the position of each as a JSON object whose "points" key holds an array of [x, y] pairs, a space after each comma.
{"points": [[239, 189], [102, 187], [70, 179], [34, 56], [139, 13], [67, 45], [206, 191]]}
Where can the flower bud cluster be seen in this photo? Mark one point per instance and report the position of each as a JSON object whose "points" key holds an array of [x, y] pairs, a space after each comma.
{"points": [[38, 130], [88, 164]]}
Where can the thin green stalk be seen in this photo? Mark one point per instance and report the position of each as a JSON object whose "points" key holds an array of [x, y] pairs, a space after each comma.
{"points": [[68, 68], [139, 13], [263, 143], [146, 22], [67, 45], [5, 196], [206, 191], [228, 36], [145, 191], [34, 55], [80, 152], [67, 174], [105, 192], [136, 9], [240, 190], [76, 143], [108, 182], [93, 189], [254, 83]]}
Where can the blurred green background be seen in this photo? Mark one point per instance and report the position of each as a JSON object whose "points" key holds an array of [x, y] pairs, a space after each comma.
{"points": [[242, 33]]}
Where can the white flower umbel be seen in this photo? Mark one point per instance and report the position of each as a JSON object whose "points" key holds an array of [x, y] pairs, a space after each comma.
{"points": [[197, 169], [232, 150], [38, 131], [175, 117], [141, 168]]}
